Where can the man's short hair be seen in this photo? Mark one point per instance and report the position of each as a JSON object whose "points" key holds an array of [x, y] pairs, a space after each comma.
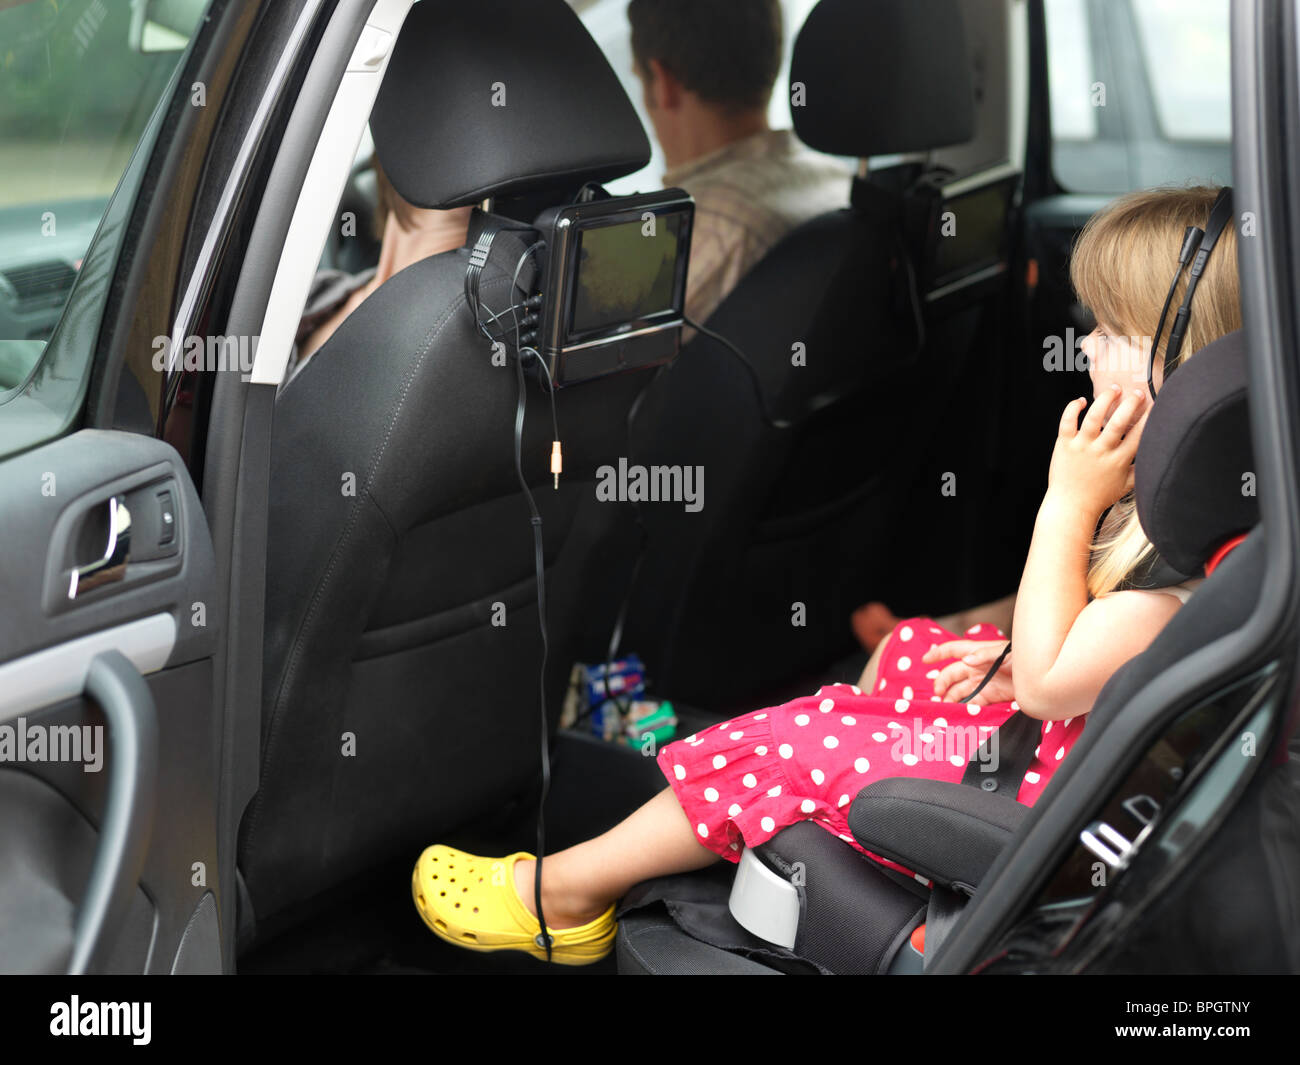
{"points": [[727, 52]]}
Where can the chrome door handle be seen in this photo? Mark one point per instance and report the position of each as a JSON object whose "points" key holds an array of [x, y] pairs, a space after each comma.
{"points": [[112, 567]]}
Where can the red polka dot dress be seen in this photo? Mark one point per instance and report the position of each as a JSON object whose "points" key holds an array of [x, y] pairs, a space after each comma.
{"points": [[744, 780]]}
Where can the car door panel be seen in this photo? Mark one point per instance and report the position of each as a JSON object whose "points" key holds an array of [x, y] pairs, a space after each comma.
{"points": [[107, 778]]}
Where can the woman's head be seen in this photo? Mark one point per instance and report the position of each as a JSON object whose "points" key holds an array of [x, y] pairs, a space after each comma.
{"points": [[1121, 268]]}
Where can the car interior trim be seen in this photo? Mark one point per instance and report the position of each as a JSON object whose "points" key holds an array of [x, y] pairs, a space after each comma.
{"points": [[57, 673]]}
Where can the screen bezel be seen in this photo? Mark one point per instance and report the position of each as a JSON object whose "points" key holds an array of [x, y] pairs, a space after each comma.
{"points": [[660, 319]]}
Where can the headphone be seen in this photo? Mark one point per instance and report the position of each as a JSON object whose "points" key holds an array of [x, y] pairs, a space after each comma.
{"points": [[1199, 243]]}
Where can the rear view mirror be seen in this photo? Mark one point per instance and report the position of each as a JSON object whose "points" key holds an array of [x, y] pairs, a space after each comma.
{"points": [[163, 25]]}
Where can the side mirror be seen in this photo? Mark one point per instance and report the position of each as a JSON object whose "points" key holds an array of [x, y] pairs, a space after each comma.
{"points": [[164, 25]]}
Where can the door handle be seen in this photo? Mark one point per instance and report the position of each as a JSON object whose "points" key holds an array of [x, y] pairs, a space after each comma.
{"points": [[112, 567], [115, 685]]}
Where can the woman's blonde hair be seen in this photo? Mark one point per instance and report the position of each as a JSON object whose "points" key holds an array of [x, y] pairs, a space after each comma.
{"points": [[1121, 269]]}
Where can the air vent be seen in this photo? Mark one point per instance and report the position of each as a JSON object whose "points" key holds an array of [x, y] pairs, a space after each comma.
{"points": [[46, 282]]}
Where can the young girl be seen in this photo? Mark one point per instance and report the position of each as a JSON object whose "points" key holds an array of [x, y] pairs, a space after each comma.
{"points": [[738, 783]]}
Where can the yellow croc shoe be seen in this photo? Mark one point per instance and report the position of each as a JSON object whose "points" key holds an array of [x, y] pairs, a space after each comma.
{"points": [[472, 902]]}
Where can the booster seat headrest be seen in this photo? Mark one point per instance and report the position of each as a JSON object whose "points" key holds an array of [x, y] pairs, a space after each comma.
{"points": [[498, 97], [1194, 475]]}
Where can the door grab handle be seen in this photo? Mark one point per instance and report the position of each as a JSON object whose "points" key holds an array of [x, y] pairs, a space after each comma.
{"points": [[112, 567], [116, 686]]}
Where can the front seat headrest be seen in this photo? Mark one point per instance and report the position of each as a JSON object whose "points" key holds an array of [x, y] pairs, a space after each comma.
{"points": [[1194, 471], [880, 77], [494, 97]]}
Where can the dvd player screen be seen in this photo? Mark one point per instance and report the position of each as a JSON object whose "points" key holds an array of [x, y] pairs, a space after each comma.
{"points": [[624, 274]]}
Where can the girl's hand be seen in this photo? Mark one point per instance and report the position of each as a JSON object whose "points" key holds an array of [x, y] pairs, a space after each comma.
{"points": [[974, 657], [1092, 463]]}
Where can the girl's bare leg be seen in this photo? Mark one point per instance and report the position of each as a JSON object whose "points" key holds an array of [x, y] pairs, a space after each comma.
{"points": [[867, 682], [582, 882]]}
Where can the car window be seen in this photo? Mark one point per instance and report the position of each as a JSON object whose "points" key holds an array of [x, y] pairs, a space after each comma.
{"points": [[1139, 93], [79, 81]]}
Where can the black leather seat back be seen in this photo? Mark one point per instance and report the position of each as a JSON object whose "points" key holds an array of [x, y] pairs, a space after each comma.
{"points": [[402, 642], [801, 525]]}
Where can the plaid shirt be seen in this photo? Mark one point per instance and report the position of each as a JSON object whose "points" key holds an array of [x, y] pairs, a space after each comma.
{"points": [[748, 195]]}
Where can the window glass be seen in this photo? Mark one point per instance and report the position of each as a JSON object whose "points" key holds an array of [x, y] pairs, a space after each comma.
{"points": [[1140, 93], [1186, 42], [79, 80]]}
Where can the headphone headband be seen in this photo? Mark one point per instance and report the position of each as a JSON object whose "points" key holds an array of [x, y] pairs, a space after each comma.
{"points": [[1201, 243]]}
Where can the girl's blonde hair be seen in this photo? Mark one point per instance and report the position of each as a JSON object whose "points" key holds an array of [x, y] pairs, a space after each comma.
{"points": [[1121, 269]]}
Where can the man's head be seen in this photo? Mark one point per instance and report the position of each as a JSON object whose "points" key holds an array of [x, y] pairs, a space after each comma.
{"points": [[708, 68]]}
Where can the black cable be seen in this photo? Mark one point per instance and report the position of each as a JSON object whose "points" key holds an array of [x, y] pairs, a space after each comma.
{"points": [[775, 423], [473, 276], [993, 671], [544, 938]]}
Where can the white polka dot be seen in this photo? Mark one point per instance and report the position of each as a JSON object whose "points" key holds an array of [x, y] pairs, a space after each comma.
{"points": [[846, 839], [723, 726], [879, 737], [957, 759], [932, 674], [760, 750], [882, 686], [847, 720], [861, 765], [733, 809], [1015, 705], [826, 706], [1047, 728], [972, 709], [1067, 722], [940, 722], [927, 737], [1033, 777], [908, 693], [901, 706], [910, 759], [802, 719], [785, 750], [1060, 754], [703, 830], [844, 799], [817, 693], [749, 780], [690, 738], [734, 846], [719, 761], [972, 630], [894, 724], [905, 633], [807, 806], [772, 793], [767, 824], [904, 663], [679, 772], [856, 690], [696, 743], [757, 717], [711, 794], [934, 628], [830, 743], [935, 699], [737, 735], [818, 777], [1037, 750]]}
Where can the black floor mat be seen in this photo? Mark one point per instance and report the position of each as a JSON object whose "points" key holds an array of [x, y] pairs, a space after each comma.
{"points": [[374, 927]]}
